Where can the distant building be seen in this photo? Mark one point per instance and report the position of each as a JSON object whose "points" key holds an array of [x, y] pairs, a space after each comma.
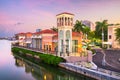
{"points": [[89, 24], [24, 39], [112, 38], [38, 30]]}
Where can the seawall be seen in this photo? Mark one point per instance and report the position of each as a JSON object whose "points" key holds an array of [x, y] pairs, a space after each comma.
{"points": [[88, 72]]}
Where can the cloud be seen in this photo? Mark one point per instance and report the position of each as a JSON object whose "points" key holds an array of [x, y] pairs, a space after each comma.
{"points": [[18, 23]]}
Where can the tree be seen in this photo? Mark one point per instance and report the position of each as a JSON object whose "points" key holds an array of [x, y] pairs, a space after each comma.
{"points": [[78, 27], [117, 34], [86, 31], [54, 29], [101, 30]]}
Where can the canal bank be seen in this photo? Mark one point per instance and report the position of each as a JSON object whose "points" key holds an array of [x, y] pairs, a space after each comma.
{"points": [[35, 68], [88, 72], [14, 68]]}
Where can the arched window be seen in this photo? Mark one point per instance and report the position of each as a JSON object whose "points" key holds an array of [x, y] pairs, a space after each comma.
{"points": [[61, 34], [67, 34], [68, 21], [71, 21], [65, 21], [62, 21]]}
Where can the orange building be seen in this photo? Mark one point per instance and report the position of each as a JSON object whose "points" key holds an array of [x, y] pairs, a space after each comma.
{"points": [[43, 40], [47, 40]]}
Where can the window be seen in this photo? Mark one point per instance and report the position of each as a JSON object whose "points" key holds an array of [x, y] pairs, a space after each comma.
{"points": [[61, 34], [67, 34], [75, 46], [110, 36]]}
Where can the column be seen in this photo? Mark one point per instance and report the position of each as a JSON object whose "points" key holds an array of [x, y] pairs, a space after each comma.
{"points": [[71, 40], [71, 21], [60, 22], [59, 44], [68, 21], [64, 43], [63, 21]]}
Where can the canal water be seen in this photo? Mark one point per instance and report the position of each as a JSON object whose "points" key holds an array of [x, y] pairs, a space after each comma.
{"points": [[13, 67]]}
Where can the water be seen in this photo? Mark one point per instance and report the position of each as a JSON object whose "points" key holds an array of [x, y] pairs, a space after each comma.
{"points": [[13, 67]]}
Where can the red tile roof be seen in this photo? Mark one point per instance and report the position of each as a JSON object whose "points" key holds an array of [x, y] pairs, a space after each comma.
{"points": [[24, 33], [29, 33], [46, 31], [65, 13]]}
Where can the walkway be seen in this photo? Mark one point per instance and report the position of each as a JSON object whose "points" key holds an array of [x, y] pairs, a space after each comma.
{"points": [[112, 58], [109, 63], [97, 74]]}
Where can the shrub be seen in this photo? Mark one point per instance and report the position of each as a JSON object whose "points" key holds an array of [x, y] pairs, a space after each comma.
{"points": [[45, 58]]}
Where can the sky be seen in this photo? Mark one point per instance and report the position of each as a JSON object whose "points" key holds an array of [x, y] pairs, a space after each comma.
{"points": [[28, 15]]}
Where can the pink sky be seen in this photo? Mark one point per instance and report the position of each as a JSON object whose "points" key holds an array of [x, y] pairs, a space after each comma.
{"points": [[28, 15]]}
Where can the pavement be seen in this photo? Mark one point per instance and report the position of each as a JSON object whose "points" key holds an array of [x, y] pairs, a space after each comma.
{"points": [[107, 59]]}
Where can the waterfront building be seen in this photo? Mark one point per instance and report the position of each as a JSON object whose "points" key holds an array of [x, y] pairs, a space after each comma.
{"points": [[24, 39], [63, 42], [43, 40], [112, 43], [66, 43]]}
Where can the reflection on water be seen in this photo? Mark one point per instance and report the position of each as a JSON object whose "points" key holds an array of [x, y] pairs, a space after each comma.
{"points": [[13, 67], [45, 72]]}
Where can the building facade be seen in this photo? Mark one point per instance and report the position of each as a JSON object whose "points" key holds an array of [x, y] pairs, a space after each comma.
{"points": [[43, 40], [112, 43], [24, 39], [65, 25], [66, 43], [62, 43]]}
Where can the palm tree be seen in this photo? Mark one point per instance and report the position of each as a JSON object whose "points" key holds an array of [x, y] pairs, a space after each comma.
{"points": [[101, 30], [54, 29], [86, 31], [78, 27], [117, 33]]}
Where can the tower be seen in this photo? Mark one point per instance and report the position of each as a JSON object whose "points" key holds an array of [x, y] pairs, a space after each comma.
{"points": [[65, 25]]}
